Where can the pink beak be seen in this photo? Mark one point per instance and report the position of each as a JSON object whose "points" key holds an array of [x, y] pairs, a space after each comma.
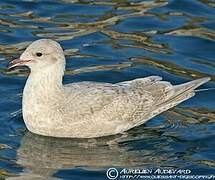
{"points": [[17, 62]]}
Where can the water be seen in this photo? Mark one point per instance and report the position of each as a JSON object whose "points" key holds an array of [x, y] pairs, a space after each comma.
{"points": [[112, 41]]}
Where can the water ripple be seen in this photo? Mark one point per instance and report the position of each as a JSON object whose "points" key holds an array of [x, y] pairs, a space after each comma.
{"points": [[111, 41]]}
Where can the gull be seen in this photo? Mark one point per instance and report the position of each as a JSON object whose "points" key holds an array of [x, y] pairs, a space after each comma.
{"points": [[89, 109]]}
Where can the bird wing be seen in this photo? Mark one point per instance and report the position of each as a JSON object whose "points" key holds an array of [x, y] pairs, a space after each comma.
{"points": [[84, 99], [129, 103], [88, 98], [150, 96]]}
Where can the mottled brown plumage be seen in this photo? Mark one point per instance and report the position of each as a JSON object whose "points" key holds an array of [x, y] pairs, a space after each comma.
{"points": [[89, 109]]}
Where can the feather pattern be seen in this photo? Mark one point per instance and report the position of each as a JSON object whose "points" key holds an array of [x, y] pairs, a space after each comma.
{"points": [[90, 109]]}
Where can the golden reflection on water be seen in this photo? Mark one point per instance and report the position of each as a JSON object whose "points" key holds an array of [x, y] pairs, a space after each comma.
{"points": [[184, 116], [170, 67], [194, 31], [210, 3], [102, 25]]}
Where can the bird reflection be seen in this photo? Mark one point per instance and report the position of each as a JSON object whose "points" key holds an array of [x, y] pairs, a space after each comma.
{"points": [[42, 157]]}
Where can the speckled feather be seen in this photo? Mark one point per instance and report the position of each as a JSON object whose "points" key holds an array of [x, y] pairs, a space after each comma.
{"points": [[90, 109]]}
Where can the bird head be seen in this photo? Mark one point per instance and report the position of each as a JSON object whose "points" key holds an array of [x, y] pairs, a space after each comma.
{"points": [[40, 54]]}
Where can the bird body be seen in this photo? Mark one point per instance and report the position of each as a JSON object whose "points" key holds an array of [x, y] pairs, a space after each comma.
{"points": [[89, 109]]}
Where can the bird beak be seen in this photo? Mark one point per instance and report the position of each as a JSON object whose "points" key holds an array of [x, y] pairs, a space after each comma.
{"points": [[17, 62]]}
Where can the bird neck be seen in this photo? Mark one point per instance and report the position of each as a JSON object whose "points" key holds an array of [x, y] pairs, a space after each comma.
{"points": [[49, 79]]}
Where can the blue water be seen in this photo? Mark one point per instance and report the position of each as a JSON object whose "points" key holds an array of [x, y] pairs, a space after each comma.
{"points": [[112, 41]]}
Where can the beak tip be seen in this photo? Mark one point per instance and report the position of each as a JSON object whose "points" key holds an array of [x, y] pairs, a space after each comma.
{"points": [[17, 62], [9, 67], [14, 63]]}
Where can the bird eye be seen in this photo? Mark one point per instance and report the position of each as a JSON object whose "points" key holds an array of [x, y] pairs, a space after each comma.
{"points": [[39, 54]]}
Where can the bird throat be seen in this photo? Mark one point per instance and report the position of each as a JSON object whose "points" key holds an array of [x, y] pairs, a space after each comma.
{"points": [[45, 81]]}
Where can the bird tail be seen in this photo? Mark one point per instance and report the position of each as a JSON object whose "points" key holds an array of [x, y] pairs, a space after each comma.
{"points": [[192, 85], [179, 94], [183, 92], [205, 89]]}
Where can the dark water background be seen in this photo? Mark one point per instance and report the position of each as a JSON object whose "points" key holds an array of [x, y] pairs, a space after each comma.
{"points": [[112, 41]]}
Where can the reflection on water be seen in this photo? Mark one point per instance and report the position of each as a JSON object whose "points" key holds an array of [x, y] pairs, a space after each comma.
{"points": [[43, 156], [111, 41]]}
